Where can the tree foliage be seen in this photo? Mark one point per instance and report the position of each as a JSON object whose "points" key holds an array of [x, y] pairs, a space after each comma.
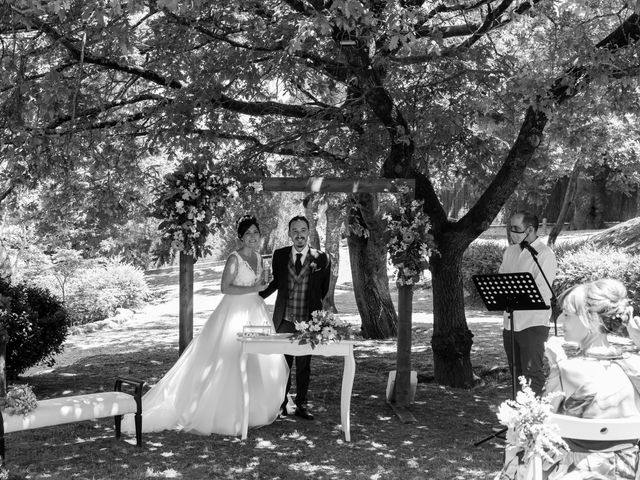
{"points": [[431, 90]]}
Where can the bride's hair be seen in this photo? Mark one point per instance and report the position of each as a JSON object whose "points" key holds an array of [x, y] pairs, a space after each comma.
{"points": [[245, 222], [601, 305]]}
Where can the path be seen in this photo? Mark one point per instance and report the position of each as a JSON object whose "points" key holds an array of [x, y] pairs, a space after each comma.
{"points": [[155, 326]]}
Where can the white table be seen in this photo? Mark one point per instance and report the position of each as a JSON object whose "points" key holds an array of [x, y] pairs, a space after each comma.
{"points": [[280, 344]]}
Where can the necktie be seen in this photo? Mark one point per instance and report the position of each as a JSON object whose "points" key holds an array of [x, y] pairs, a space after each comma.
{"points": [[298, 263]]}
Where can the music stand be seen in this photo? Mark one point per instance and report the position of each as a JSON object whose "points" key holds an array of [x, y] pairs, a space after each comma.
{"points": [[509, 292]]}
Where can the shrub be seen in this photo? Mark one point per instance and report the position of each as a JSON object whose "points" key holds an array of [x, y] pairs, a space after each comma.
{"points": [[588, 263], [566, 246], [97, 292], [36, 323], [481, 257]]}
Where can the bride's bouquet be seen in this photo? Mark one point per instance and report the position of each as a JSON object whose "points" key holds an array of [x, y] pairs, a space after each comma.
{"points": [[323, 327]]}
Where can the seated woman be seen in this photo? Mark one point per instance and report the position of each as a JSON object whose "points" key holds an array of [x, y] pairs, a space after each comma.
{"points": [[601, 382]]}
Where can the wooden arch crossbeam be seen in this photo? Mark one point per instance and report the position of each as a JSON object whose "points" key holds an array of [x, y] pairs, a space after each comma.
{"points": [[338, 185]]}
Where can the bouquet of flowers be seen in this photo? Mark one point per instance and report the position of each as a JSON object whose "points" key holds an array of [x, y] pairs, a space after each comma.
{"points": [[409, 242], [323, 327], [526, 417], [191, 204], [20, 400]]}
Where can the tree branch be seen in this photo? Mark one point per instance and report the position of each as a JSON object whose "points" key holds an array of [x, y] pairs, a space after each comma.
{"points": [[494, 21], [102, 108], [220, 100], [76, 52], [530, 136], [491, 21], [209, 33]]}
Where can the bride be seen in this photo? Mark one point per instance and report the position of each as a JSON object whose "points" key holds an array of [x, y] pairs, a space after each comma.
{"points": [[202, 393]]}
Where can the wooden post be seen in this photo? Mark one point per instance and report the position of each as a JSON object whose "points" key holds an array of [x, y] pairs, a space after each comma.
{"points": [[186, 302], [402, 389], [4, 338]]}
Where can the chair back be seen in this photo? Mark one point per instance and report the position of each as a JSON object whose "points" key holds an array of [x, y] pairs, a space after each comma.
{"points": [[611, 429], [597, 428]]}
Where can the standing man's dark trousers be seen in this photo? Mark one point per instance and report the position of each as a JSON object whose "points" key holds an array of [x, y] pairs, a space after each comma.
{"points": [[303, 369], [529, 352]]}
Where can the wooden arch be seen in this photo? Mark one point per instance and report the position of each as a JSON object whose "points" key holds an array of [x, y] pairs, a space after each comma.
{"points": [[405, 292]]}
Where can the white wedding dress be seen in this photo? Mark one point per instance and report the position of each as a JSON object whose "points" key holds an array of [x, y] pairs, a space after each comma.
{"points": [[202, 393]]}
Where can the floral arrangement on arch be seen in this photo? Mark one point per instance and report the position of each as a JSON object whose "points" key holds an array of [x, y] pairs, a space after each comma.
{"points": [[527, 419], [323, 327], [191, 205], [20, 400], [409, 242]]}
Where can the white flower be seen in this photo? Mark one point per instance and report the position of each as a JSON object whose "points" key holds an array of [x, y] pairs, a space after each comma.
{"points": [[233, 191], [328, 332], [257, 186]]}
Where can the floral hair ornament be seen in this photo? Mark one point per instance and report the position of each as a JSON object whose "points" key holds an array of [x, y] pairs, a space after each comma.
{"points": [[243, 218], [617, 323]]}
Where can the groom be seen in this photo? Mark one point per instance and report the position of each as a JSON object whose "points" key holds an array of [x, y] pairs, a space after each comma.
{"points": [[301, 275]]}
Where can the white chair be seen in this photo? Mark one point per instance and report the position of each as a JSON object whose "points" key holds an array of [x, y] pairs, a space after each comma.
{"points": [[597, 428], [607, 429]]}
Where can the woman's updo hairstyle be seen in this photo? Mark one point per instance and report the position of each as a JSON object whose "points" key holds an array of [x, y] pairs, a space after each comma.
{"points": [[245, 222], [601, 305]]}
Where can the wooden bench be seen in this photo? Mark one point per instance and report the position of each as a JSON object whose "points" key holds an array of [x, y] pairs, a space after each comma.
{"points": [[61, 410]]}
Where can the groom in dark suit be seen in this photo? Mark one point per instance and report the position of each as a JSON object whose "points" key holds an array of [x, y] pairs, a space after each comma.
{"points": [[301, 275]]}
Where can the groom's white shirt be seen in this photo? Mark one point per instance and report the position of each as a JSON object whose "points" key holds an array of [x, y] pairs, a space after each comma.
{"points": [[304, 252]]}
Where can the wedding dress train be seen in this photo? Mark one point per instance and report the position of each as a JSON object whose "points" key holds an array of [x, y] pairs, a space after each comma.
{"points": [[202, 392]]}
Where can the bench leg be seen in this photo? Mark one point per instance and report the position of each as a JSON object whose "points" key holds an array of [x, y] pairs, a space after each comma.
{"points": [[118, 422], [138, 419]]}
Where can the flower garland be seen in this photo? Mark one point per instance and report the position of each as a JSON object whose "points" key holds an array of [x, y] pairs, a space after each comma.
{"points": [[323, 327], [191, 204], [527, 418], [20, 400], [409, 242]]}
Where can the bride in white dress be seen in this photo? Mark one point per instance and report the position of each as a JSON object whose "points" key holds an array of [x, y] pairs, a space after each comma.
{"points": [[202, 393]]}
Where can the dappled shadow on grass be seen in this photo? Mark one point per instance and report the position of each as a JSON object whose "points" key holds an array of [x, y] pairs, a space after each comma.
{"points": [[437, 446]]}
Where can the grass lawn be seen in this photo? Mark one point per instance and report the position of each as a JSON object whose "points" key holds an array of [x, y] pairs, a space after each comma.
{"points": [[438, 446]]}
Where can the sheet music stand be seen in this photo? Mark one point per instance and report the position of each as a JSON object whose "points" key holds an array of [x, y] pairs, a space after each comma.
{"points": [[509, 292]]}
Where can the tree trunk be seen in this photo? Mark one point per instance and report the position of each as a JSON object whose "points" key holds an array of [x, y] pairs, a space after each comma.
{"points": [[452, 339], [332, 248], [567, 203], [591, 201], [370, 281]]}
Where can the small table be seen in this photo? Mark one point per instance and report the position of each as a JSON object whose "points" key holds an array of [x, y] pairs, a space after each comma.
{"points": [[282, 344]]}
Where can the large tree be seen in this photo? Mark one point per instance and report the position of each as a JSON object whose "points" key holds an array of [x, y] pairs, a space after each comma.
{"points": [[361, 87]]}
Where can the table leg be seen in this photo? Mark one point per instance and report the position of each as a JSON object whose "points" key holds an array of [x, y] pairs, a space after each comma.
{"points": [[245, 394], [348, 375]]}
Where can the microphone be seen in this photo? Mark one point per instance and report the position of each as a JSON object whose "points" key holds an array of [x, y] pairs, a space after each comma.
{"points": [[524, 244]]}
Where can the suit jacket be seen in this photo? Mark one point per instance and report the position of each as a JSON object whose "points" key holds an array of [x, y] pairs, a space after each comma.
{"points": [[319, 279]]}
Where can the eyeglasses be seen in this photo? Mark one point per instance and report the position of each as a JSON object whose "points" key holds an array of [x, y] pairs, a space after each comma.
{"points": [[515, 230]]}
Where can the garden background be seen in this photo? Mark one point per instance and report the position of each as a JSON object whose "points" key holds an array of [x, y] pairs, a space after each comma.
{"points": [[438, 446]]}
